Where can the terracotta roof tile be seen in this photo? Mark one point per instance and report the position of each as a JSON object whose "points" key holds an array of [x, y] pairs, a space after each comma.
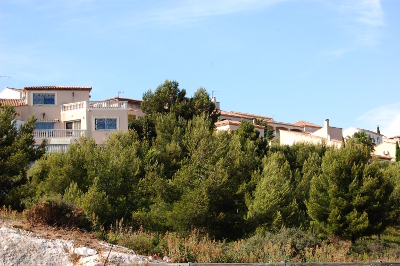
{"points": [[284, 124], [58, 88], [12, 102], [303, 123]]}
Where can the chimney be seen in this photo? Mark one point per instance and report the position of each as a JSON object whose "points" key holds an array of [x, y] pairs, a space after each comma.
{"points": [[326, 124], [214, 100]]}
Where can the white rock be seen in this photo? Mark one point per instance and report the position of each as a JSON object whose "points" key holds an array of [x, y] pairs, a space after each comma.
{"points": [[84, 252]]}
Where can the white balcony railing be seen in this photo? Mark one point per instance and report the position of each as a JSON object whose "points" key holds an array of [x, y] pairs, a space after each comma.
{"points": [[94, 105], [57, 148], [58, 133], [73, 106]]}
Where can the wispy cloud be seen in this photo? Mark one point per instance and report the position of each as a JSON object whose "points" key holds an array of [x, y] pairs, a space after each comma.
{"points": [[362, 20], [387, 117], [206, 8], [171, 12]]}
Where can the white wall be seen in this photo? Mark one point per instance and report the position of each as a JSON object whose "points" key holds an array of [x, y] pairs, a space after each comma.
{"points": [[10, 94]]}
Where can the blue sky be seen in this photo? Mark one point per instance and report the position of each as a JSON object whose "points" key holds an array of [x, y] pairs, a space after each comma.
{"points": [[291, 60]]}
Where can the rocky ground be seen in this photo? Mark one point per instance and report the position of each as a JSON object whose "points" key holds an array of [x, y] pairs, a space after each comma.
{"points": [[22, 244]]}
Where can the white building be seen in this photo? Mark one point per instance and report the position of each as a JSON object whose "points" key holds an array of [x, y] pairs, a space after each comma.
{"points": [[377, 137]]}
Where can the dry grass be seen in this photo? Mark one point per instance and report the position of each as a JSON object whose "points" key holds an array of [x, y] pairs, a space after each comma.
{"points": [[6, 213], [201, 248]]}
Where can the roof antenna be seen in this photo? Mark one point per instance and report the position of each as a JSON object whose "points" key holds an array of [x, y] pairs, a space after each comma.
{"points": [[212, 94], [119, 93]]}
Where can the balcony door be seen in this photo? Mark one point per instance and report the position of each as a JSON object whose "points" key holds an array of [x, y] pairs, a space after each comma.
{"points": [[72, 125]]}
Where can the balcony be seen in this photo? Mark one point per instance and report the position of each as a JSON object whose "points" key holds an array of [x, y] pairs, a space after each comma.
{"points": [[58, 133], [102, 105], [56, 148]]}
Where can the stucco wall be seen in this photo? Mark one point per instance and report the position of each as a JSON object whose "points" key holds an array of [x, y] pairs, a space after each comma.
{"points": [[335, 132], [389, 146], [9, 94], [101, 136]]}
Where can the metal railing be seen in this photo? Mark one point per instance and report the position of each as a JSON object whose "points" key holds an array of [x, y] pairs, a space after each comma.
{"points": [[58, 133]]}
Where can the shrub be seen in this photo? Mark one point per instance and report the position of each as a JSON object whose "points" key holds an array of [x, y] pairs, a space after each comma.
{"points": [[58, 213]]}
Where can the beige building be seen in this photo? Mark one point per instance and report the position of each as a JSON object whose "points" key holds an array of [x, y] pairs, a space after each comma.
{"points": [[331, 136], [232, 125], [64, 114]]}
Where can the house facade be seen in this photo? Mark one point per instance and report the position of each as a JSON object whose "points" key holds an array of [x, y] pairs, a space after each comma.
{"points": [[65, 113]]}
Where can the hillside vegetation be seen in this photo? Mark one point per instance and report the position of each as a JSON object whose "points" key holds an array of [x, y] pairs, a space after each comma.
{"points": [[198, 195]]}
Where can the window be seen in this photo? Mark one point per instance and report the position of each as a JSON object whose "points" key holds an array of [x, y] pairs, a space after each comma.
{"points": [[44, 98], [106, 123], [44, 126]]}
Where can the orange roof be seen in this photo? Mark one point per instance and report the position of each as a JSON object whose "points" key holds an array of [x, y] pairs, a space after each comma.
{"points": [[303, 123], [58, 88], [245, 115], [12, 102], [233, 123]]}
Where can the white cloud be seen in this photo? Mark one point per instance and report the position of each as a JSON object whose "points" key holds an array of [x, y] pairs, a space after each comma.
{"points": [[387, 117]]}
